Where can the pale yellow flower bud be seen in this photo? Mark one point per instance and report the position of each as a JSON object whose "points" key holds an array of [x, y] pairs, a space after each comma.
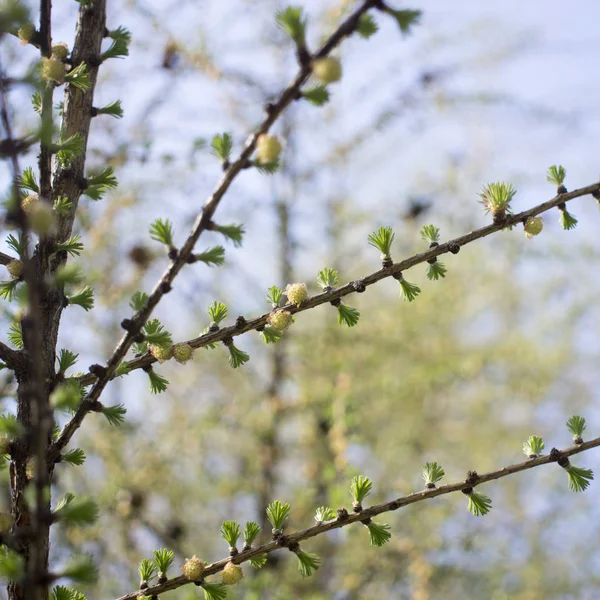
{"points": [[182, 353], [533, 226], [192, 568], [297, 293], [53, 69], [40, 215], [26, 33], [268, 148], [327, 70], [60, 51], [280, 319], [160, 353], [231, 574], [28, 203], [15, 268]]}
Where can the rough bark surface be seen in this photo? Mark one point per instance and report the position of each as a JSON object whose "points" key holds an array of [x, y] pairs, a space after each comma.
{"points": [[33, 407]]}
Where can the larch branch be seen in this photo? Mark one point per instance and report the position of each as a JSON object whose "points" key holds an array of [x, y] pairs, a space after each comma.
{"points": [[373, 511], [398, 267]]}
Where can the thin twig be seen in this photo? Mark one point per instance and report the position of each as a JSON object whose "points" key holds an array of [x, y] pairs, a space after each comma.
{"points": [[326, 297], [201, 224], [5, 259], [373, 511]]}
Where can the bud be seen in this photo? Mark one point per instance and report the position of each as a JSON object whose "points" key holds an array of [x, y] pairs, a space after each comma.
{"points": [[268, 148], [15, 268], [327, 70], [160, 353], [231, 574], [28, 203], [296, 293], [533, 226], [280, 319], [192, 568], [26, 33], [60, 51], [41, 217], [53, 69], [182, 353]]}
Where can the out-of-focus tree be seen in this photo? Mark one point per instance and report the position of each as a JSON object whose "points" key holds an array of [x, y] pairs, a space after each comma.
{"points": [[487, 354]]}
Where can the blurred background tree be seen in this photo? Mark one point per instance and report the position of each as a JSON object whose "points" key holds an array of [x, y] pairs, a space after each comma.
{"points": [[504, 347]]}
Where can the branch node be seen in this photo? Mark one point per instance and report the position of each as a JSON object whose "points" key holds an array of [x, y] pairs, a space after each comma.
{"points": [[98, 370], [358, 286], [304, 56], [128, 325], [554, 454], [240, 322], [95, 406], [342, 514], [472, 477], [454, 248]]}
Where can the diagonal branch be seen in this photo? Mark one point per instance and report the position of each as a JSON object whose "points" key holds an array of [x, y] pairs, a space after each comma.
{"points": [[304, 534], [350, 288], [164, 285]]}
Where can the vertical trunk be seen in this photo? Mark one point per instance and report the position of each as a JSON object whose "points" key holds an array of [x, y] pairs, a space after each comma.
{"points": [[29, 466]]}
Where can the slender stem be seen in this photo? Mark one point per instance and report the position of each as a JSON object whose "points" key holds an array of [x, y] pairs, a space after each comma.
{"points": [[289, 95], [5, 258], [370, 512], [326, 297]]}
